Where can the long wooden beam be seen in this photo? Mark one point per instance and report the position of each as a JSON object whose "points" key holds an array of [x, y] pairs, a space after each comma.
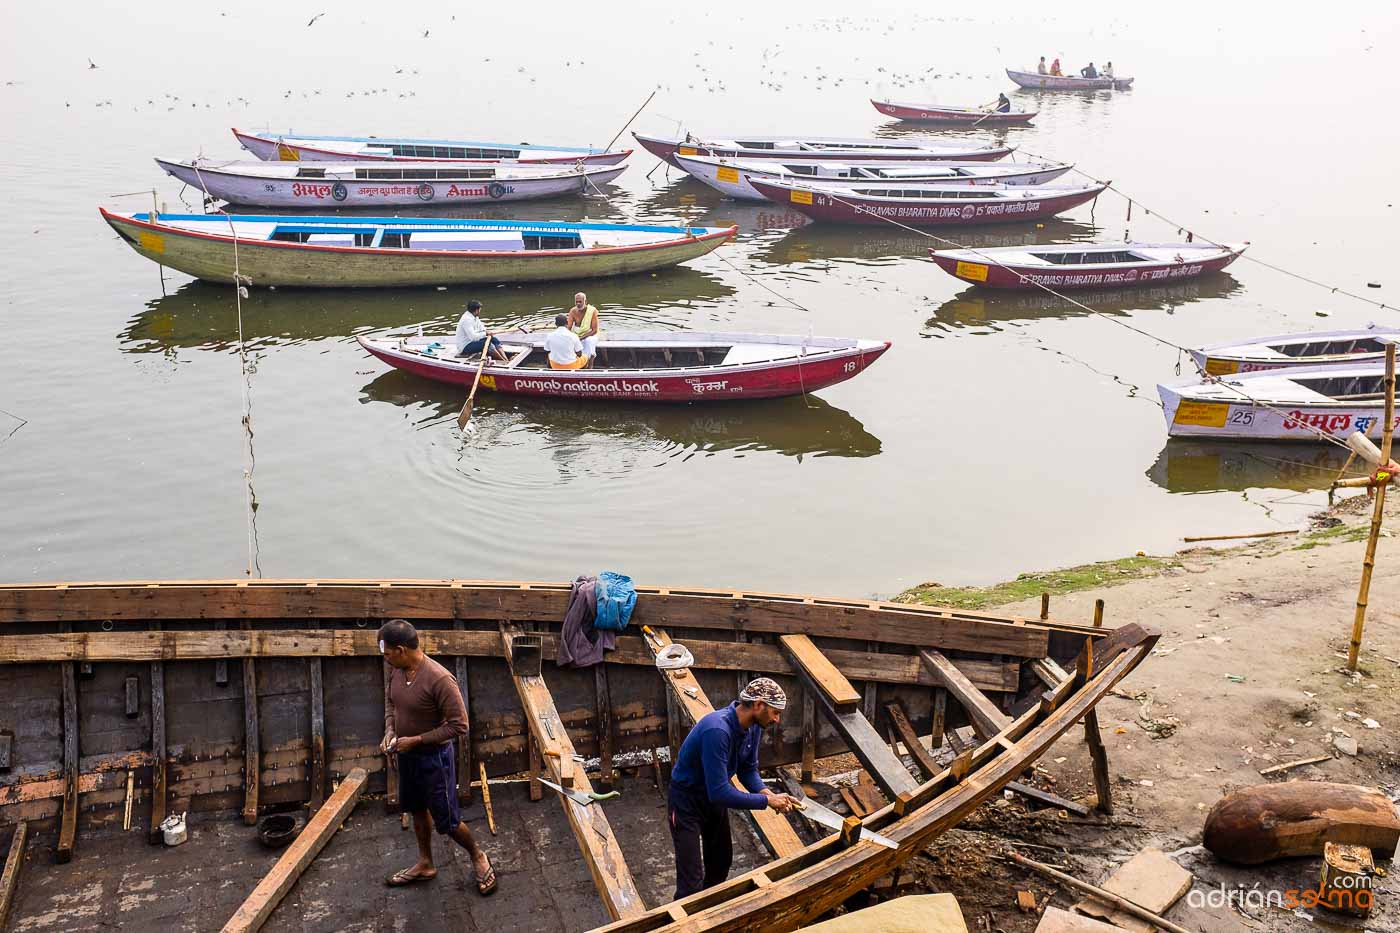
{"points": [[9, 878], [464, 741], [772, 827], [601, 850], [159, 778], [904, 731], [252, 743], [890, 623], [316, 770], [292, 643], [68, 823], [318, 831], [983, 713], [818, 670]]}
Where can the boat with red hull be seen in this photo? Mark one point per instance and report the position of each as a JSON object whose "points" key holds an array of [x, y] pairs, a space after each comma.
{"points": [[953, 116], [1085, 265], [927, 205], [911, 149], [646, 366]]}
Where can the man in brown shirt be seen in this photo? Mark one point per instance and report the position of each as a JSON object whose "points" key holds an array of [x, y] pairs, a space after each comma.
{"points": [[423, 713]]}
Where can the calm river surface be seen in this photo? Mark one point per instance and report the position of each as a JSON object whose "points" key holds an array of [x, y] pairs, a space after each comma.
{"points": [[1000, 434]]}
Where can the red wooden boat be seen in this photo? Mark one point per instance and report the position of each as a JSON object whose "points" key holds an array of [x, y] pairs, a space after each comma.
{"points": [[1085, 265], [648, 366], [958, 116], [927, 205], [911, 149]]}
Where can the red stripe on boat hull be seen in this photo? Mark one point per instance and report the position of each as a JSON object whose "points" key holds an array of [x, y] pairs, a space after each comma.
{"points": [[722, 384], [934, 115], [1027, 278], [848, 208]]}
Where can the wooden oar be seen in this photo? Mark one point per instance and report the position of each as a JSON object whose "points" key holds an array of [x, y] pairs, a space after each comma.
{"points": [[608, 147], [464, 420]]}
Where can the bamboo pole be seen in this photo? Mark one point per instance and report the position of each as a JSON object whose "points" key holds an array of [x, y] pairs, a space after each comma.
{"points": [[1122, 903], [1377, 513]]}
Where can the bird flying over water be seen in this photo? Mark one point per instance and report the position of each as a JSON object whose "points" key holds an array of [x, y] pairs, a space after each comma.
{"points": [[313, 19], [91, 64]]}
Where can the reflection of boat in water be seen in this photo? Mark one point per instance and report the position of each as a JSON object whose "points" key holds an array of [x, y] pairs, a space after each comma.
{"points": [[974, 306], [825, 241], [1220, 466], [787, 426], [201, 315]]}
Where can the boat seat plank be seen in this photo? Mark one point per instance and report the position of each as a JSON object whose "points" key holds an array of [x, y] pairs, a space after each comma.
{"points": [[601, 850], [821, 673], [772, 827], [986, 719]]}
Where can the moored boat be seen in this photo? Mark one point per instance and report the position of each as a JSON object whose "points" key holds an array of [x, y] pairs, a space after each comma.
{"points": [[334, 252], [1039, 82], [927, 205], [650, 366], [234, 699], [1085, 265], [1295, 404], [1284, 351], [362, 184], [731, 176], [910, 149], [952, 116], [294, 147]]}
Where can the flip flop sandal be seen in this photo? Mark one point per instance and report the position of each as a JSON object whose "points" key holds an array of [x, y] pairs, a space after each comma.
{"points": [[404, 877], [486, 886]]}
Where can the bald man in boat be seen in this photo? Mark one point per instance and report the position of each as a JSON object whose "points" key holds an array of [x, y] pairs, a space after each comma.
{"points": [[723, 745], [583, 321], [423, 713]]}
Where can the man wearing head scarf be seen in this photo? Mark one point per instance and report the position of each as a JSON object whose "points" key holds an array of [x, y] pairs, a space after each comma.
{"points": [[723, 745]]}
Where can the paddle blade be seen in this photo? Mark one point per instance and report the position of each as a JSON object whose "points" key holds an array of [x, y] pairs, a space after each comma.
{"points": [[464, 420]]}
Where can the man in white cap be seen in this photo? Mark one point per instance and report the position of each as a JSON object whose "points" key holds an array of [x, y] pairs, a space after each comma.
{"points": [[723, 745]]}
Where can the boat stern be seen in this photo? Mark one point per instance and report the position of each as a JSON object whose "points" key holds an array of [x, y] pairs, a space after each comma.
{"points": [[663, 149]]}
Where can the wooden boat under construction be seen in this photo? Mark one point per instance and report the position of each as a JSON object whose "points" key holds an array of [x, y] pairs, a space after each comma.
{"points": [[375, 252], [124, 703]]}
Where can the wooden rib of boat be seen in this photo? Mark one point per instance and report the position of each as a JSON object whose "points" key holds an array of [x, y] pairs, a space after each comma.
{"points": [[1292, 404], [365, 184], [1039, 82], [952, 116], [730, 176], [1284, 351], [927, 205], [135, 677], [908, 149], [295, 147], [649, 366], [1084, 265], [348, 252]]}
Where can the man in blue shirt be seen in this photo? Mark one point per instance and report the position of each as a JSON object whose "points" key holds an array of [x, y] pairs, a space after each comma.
{"points": [[723, 745]]}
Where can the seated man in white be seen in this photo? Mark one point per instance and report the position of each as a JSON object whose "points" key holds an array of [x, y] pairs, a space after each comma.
{"points": [[565, 349]]}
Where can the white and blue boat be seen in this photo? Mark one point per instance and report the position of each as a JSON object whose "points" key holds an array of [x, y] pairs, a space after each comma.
{"points": [[298, 147]]}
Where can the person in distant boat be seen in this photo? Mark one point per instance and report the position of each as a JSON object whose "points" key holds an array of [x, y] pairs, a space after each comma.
{"points": [[1055, 69], [722, 745], [583, 320], [1108, 70], [1041, 69], [565, 349], [472, 335], [1003, 104], [1089, 71]]}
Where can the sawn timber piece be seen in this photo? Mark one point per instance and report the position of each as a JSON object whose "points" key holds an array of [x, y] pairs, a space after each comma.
{"points": [[600, 848], [865, 743], [986, 719], [1270, 821], [818, 671]]}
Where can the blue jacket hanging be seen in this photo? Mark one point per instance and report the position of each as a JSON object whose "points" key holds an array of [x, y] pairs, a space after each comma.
{"points": [[616, 597]]}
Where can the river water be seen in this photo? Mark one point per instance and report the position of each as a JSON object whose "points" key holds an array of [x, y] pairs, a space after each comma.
{"points": [[999, 434]]}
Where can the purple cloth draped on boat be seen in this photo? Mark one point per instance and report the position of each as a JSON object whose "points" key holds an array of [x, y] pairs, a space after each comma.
{"points": [[582, 645]]}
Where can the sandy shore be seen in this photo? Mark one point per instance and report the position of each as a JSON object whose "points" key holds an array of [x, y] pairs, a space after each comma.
{"points": [[1248, 674]]}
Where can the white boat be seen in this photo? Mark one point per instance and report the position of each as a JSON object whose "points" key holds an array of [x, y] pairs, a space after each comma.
{"points": [[1296, 404], [1035, 81], [1283, 351], [298, 147], [372, 184], [905, 149], [730, 177]]}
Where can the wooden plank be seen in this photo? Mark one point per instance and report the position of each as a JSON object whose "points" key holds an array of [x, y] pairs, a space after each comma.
{"points": [[601, 850], [895, 623], [862, 739], [818, 671], [986, 719], [1047, 798], [252, 742], [772, 827], [604, 726], [809, 736], [14, 864], [940, 716], [532, 749], [1085, 666], [391, 763], [464, 741], [288, 643], [316, 763], [159, 788], [274, 886], [853, 802], [904, 730], [870, 691], [68, 825], [1151, 880], [132, 697]]}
